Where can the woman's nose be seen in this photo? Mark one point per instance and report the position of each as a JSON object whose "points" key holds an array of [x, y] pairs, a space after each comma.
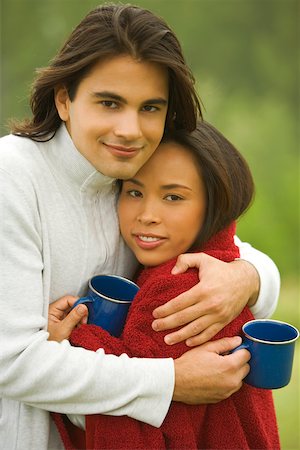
{"points": [[148, 216]]}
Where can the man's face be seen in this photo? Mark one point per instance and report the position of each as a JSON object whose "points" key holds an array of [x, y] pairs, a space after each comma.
{"points": [[117, 117]]}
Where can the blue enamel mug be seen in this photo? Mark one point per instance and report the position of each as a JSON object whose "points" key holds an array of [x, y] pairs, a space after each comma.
{"points": [[108, 300], [271, 344]]}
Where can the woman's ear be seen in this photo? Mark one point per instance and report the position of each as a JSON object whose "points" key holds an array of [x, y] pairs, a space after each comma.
{"points": [[62, 102]]}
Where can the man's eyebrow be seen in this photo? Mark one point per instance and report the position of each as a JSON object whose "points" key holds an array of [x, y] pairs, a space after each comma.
{"points": [[110, 95], [156, 101], [113, 96]]}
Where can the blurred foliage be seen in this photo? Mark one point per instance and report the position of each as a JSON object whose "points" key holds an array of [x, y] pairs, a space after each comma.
{"points": [[245, 58]]}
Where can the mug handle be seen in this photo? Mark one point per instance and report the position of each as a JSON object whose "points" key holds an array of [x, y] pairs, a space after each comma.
{"points": [[240, 347], [86, 299]]}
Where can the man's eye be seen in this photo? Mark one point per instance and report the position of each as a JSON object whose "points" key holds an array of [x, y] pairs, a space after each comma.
{"points": [[134, 193], [150, 108], [173, 197], [109, 104]]}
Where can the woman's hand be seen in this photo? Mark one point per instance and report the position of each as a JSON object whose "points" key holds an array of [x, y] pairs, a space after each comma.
{"points": [[222, 293], [204, 375], [62, 320]]}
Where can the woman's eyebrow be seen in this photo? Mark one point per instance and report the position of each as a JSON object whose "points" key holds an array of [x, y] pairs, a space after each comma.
{"points": [[134, 181], [164, 186], [174, 186]]}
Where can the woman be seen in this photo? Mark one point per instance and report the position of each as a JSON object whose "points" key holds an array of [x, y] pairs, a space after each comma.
{"points": [[187, 197]]}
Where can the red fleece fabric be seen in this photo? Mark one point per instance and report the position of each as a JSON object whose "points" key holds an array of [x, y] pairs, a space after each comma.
{"points": [[246, 420]]}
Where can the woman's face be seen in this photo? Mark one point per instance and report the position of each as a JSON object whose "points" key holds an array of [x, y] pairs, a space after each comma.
{"points": [[161, 210]]}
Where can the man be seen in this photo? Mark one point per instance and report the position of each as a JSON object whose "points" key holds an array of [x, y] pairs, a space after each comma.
{"points": [[99, 111]]}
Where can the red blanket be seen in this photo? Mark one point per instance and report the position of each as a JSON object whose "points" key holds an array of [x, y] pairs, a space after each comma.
{"points": [[246, 420]]}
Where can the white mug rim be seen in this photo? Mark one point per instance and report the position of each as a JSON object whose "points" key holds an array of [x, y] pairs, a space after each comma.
{"points": [[110, 299], [263, 341]]}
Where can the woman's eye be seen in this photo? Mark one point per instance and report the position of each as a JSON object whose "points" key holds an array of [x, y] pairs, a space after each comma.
{"points": [[134, 193], [109, 104], [173, 197]]}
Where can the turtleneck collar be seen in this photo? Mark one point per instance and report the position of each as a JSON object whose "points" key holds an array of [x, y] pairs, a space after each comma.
{"points": [[72, 164]]}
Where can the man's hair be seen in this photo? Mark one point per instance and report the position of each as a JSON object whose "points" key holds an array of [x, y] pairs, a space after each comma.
{"points": [[227, 177], [107, 31]]}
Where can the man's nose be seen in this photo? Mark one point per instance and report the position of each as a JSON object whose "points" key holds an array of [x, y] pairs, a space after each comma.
{"points": [[128, 126]]}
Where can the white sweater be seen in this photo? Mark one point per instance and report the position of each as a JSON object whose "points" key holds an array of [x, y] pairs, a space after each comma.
{"points": [[58, 228]]}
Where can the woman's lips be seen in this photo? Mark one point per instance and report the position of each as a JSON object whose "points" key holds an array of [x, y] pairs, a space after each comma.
{"points": [[148, 242]]}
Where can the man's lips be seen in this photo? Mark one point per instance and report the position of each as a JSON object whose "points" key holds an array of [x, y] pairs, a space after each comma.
{"points": [[121, 150]]}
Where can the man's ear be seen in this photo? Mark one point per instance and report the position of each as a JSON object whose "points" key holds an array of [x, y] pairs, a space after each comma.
{"points": [[62, 102]]}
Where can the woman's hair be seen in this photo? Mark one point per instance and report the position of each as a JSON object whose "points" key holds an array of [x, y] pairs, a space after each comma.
{"points": [[227, 177], [107, 31]]}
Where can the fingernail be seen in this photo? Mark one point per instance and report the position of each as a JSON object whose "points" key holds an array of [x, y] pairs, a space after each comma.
{"points": [[81, 310], [155, 325], [168, 340], [174, 271], [154, 314]]}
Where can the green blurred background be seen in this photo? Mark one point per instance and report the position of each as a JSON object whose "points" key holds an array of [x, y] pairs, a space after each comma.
{"points": [[245, 57]]}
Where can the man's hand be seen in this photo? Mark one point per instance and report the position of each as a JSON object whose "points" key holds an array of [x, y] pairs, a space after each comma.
{"points": [[62, 321], [203, 375], [220, 296]]}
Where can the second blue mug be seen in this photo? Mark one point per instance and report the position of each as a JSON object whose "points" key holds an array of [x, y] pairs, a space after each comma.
{"points": [[271, 344], [108, 300]]}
